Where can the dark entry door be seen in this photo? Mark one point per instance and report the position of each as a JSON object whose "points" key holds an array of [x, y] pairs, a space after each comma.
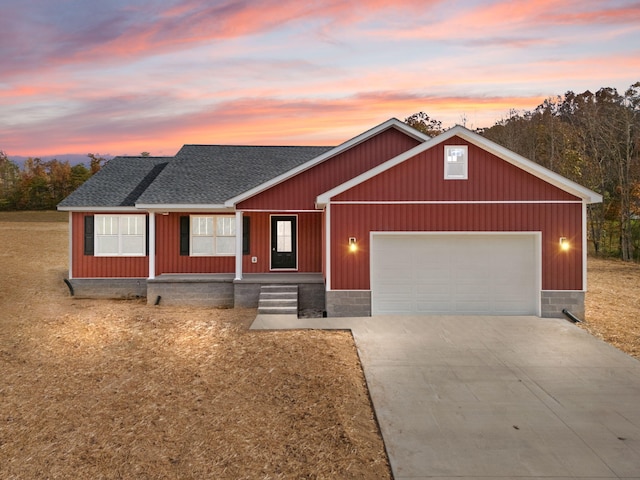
{"points": [[283, 242]]}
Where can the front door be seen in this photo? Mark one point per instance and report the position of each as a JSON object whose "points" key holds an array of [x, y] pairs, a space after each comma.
{"points": [[283, 242]]}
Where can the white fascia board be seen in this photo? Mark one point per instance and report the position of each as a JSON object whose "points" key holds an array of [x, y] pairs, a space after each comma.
{"points": [[391, 123], [183, 208], [519, 161], [89, 208], [529, 166]]}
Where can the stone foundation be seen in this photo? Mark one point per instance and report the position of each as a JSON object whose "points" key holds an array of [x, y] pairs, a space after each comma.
{"points": [[349, 303], [215, 290], [553, 302], [109, 287], [206, 291]]}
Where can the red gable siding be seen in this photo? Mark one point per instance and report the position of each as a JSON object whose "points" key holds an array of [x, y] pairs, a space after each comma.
{"points": [[422, 178], [300, 191], [87, 266], [560, 270]]}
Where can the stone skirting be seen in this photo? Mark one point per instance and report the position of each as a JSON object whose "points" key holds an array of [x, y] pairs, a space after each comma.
{"points": [[348, 303], [216, 290], [554, 301], [198, 290], [223, 291], [109, 287]]}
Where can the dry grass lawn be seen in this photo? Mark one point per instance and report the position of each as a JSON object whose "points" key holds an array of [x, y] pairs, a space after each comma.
{"points": [[613, 303], [119, 389]]}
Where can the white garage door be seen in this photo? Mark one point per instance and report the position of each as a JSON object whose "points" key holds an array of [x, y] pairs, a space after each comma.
{"points": [[469, 274]]}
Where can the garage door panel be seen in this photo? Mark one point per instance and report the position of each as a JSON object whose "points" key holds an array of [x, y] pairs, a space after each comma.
{"points": [[433, 289], [454, 273]]}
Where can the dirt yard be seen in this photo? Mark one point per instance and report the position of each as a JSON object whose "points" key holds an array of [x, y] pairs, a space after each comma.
{"points": [[118, 389]]}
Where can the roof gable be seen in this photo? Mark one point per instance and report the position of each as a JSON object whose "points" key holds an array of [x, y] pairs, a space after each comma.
{"points": [[518, 161], [391, 123], [117, 185]]}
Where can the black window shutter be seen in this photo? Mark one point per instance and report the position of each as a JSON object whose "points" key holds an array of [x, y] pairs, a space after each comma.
{"points": [[88, 235], [246, 224], [184, 236]]}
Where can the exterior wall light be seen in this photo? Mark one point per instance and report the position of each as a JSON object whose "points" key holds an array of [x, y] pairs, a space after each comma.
{"points": [[352, 244], [564, 244]]}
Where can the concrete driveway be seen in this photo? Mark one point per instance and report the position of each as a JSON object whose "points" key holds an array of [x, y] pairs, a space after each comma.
{"points": [[495, 397]]}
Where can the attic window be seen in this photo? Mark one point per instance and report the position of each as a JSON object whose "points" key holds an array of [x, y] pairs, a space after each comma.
{"points": [[456, 162]]}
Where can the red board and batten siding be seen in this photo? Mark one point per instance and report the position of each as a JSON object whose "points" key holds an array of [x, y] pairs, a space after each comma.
{"points": [[88, 266], [169, 260], [300, 191], [556, 213], [422, 178], [560, 270]]}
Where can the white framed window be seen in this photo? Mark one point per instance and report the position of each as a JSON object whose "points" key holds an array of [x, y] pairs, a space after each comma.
{"points": [[213, 235], [120, 235], [284, 236], [456, 162]]}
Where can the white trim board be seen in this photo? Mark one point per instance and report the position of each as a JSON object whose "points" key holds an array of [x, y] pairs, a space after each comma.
{"points": [[450, 202]]}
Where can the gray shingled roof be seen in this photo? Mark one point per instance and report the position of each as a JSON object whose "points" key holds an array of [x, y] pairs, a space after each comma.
{"points": [[212, 174], [118, 184]]}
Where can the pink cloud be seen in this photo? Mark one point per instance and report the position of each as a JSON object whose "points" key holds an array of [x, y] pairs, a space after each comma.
{"points": [[266, 121], [506, 18], [130, 33]]}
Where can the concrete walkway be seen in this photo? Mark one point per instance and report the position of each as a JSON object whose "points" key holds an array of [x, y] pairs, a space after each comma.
{"points": [[495, 397]]}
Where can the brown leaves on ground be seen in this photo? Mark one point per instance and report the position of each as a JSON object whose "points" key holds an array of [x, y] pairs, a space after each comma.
{"points": [[120, 389], [613, 303]]}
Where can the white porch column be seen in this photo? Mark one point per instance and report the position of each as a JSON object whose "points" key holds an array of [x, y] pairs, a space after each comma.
{"points": [[70, 245], [238, 245], [152, 245]]}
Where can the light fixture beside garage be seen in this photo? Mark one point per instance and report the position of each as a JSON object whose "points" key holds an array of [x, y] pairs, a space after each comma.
{"points": [[352, 244], [564, 244]]}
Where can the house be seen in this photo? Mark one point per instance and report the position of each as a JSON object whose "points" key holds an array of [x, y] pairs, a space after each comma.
{"points": [[389, 222]]}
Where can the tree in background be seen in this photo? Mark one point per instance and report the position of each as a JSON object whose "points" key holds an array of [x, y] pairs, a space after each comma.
{"points": [[593, 139], [9, 175], [425, 124], [41, 185]]}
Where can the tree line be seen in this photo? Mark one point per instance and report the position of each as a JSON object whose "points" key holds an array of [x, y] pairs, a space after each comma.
{"points": [[590, 138], [41, 185]]}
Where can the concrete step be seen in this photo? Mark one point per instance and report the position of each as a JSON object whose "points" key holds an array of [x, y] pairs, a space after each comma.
{"points": [[278, 300]]}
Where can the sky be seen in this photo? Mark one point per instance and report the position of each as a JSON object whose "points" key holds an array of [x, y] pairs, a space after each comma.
{"points": [[121, 77]]}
